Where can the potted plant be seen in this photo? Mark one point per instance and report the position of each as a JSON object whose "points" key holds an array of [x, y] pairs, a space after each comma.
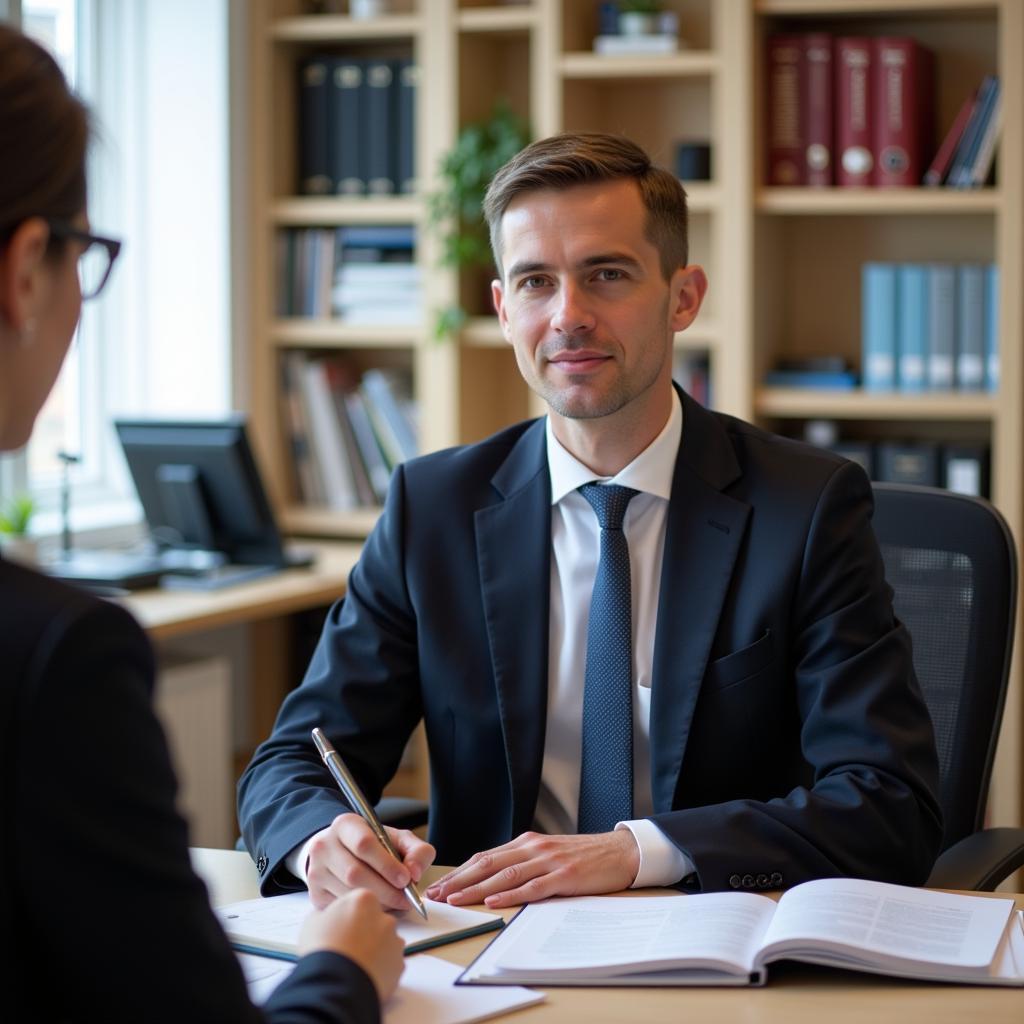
{"points": [[15, 518], [456, 211], [639, 17]]}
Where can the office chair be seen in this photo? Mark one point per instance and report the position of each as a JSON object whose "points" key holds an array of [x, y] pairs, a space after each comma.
{"points": [[952, 563]]}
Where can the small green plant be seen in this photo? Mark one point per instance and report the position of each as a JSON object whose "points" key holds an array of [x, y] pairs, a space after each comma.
{"points": [[456, 211], [640, 6], [16, 516]]}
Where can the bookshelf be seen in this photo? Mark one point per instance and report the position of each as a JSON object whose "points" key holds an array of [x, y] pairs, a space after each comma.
{"points": [[782, 262]]}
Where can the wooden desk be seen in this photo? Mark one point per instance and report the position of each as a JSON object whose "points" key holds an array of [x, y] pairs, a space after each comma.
{"points": [[794, 995], [171, 613]]}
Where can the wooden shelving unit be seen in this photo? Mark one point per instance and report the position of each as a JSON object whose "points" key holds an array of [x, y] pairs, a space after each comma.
{"points": [[782, 263]]}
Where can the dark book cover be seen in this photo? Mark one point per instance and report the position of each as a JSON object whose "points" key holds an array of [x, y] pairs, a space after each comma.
{"points": [[938, 169], [314, 127], [854, 154], [901, 118], [406, 81], [908, 463], [966, 150], [347, 127], [379, 135], [785, 135], [816, 109]]}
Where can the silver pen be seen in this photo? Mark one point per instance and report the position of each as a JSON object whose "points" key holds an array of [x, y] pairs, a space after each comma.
{"points": [[354, 795]]}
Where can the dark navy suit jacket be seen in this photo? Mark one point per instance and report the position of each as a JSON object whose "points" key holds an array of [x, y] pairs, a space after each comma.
{"points": [[789, 739], [101, 914]]}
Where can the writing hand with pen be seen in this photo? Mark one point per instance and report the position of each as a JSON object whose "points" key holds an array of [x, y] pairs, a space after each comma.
{"points": [[356, 852]]}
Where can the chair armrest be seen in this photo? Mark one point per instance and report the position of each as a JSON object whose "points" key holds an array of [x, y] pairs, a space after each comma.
{"points": [[403, 811], [979, 861]]}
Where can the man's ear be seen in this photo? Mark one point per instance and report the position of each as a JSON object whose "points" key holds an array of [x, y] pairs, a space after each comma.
{"points": [[498, 297], [21, 272], [688, 287]]}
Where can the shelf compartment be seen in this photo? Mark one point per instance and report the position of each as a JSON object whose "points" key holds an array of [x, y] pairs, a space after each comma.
{"points": [[320, 211], [800, 403], [496, 20], [690, 63], [860, 8], [301, 332], [925, 201], [327, 28]]}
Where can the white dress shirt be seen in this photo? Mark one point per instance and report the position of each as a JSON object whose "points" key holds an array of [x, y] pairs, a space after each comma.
{"points": [[575, 549]]}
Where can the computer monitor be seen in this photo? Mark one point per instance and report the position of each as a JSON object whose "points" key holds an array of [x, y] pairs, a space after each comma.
{"points": [[200, 488]]}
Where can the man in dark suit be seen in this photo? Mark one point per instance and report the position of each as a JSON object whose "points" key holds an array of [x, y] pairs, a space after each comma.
{"points": [[707, 688]]}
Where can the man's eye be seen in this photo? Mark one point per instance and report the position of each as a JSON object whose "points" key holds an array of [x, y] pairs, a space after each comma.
{"points": [[533, 282], [610, 274]]}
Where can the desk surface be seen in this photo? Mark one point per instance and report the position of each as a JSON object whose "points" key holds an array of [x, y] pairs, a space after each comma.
{"points": [[169, 613], [794, 995]]}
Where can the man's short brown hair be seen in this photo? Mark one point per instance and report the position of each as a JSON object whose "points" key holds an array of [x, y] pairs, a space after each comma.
{"points": [[587, 158]]}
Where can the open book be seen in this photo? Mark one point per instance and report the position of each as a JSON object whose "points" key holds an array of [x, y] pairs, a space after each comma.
{"points": [[270, 926], [730, 938]]}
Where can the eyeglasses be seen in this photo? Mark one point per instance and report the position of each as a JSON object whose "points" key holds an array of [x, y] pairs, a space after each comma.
{"points": [[97, 258]]}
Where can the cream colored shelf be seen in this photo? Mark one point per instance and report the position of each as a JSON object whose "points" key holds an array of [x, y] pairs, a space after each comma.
{"points": [[327, 28], [327, 210], [799, 403], [900, 201], [702, 197], [306, 521], [827, 8], [312, 333], [599, 66], [496, 20]]}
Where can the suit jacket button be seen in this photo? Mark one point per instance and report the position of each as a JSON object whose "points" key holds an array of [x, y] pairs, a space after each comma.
{"points": [[734, 881], [748, 881], [762, 881], [261, 863], [776, 879]]}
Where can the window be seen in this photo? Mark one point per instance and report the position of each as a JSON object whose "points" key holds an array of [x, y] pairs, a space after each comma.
{"points": [[157, 341]]}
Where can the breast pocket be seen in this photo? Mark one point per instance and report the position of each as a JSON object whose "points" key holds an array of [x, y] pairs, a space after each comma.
{"points": [[741, 664]]}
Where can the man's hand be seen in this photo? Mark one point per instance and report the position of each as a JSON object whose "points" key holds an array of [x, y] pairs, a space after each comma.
{"points": [[347, 855], [536, 866]]}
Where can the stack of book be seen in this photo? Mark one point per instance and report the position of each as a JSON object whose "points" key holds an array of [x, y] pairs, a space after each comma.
{"points": [[816, 372], [347, 432], [357, 126], [855, 111], [378, 280], [930, 327], [955, 465], [365, 275]]}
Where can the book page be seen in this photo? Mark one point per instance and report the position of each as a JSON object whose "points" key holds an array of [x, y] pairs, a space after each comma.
{"points": [[273, 923], [604, 936], [888, 924]]}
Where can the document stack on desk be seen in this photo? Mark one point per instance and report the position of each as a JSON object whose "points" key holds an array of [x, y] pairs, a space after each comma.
{"points": [[731, 938]]}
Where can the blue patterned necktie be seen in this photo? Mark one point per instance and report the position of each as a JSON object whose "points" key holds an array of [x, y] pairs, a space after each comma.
{"points": [[606, 772]]}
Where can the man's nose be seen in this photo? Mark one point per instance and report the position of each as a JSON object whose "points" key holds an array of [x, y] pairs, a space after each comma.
{"points": [[572, 313]]}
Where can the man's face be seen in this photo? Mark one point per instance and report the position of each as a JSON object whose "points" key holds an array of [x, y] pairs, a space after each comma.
{"points": [[584, 303]]}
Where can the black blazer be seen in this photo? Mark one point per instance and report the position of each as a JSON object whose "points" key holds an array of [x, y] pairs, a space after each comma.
{"points": [[789, 740], [100, 911]]}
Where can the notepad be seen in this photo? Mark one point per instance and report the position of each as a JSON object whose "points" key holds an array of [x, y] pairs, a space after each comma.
{"points": [[426, 993], [731, 938], [270, 926]]}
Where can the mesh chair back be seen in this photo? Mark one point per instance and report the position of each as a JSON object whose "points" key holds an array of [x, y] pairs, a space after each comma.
{"points": [[952, 565]]}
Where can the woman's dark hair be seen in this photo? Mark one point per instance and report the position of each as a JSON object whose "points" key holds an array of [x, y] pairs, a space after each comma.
{"points": [[44, 131]]}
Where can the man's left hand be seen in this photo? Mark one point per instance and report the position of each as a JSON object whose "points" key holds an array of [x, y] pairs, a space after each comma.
{"points": [[534, 867]]}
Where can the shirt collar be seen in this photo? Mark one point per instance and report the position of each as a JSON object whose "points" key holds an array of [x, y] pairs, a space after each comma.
{"points": [[651, 471]]}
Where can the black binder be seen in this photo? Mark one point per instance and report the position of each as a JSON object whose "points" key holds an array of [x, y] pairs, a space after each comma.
{"points": [[406, 81], [379, 128], [346, 117], [314, 127]]}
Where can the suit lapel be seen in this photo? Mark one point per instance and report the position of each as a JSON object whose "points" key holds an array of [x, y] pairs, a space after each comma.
{"points": [[513, 541], [702, 539]]}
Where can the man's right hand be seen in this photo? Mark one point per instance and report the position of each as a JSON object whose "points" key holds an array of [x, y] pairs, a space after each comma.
{"points": [[347, 855], [357, 927]]}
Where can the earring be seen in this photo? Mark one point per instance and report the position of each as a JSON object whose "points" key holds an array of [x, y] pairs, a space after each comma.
{"points": [[28, 333]]}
